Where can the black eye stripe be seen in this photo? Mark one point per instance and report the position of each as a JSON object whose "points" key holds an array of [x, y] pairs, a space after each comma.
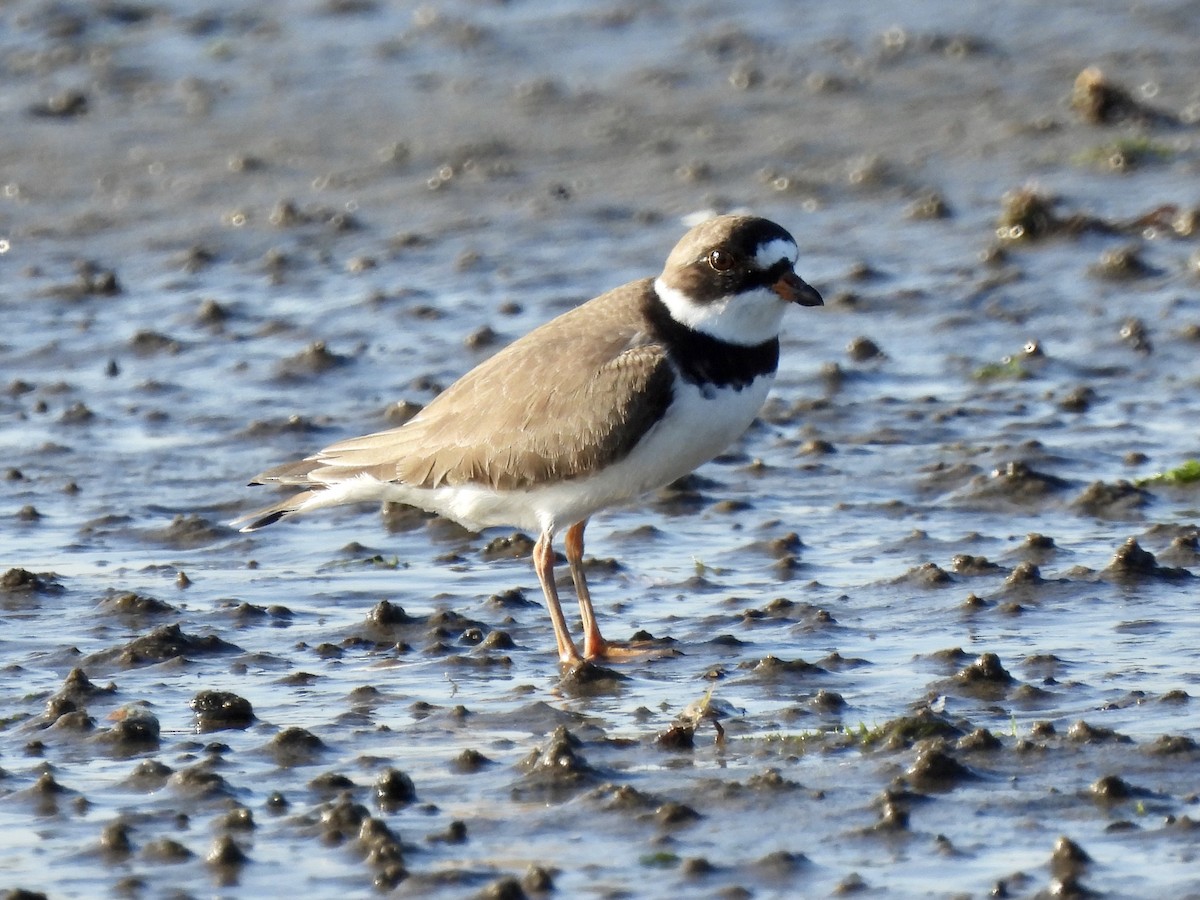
{"points": [[779, 269], [766, 277], [742, 259], [704, 285]]}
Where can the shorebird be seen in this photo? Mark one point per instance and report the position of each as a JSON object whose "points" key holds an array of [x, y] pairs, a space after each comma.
{"points": [[616, 397]]}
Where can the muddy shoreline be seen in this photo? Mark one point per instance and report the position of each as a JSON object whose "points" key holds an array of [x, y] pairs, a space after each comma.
{"points": [[929, 629]]}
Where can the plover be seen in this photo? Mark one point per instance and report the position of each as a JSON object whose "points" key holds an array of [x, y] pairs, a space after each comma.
{"points": [[619, 396]]}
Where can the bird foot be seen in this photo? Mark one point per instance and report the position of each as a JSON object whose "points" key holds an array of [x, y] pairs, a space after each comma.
{"points": [[622, 651]]}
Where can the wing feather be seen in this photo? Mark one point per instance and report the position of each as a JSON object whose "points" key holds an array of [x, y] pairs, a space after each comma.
{"points": [[566, 399]]}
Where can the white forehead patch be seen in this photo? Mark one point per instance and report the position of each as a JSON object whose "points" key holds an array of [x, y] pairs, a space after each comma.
{"points": [[773, 251]]}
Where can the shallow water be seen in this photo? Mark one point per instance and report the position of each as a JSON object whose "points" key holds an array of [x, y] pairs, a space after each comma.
{"points": [[387, 182]]}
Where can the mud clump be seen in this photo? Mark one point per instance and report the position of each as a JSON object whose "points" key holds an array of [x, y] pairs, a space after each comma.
{"points": [[517, 545], [1069, 861], [1024, 574], [294, 424], [985, 678], [498, 640], [1078, 400], [151, 343], [226, 854], [399, 518], [1172, 744], [1112, 789], [1098, 100], [381, 850], [622, 798], [75, 721], [894, 812], [586, 679], [331, 784], [188, 533], [828, 701], [212, 313], [1126, 264], [862, 349], [315, 359], [936, 770], [513, 598], [899, 734], [58, 706], [78, 689], [470, 761], [1082, 733], [677, 736], [218, 710], [774, 669], [78, 413], [1131, 562], [979, 740], [986, 668], [22, 581], [201, 782], [1029, 215], [295, 746], [926, 575], [1120, 500], [684, 495], [134, 605], [781, 864], [92, 279], [237, 819], [1018, 483], [1038, 548], [771, 780], [66, 104], [167, 851], [394, 789], [342, 819], [1184, 550], [385, 617], [557, 770], [966, 564], [135, 729], [164, 642], [28, 513], [114, 841]]}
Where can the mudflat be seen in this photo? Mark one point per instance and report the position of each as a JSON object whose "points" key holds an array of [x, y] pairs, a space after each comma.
{"points": [[928, 629]]}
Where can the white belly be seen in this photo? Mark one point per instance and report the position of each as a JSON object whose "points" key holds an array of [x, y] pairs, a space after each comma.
{"points": [[698, 426]]}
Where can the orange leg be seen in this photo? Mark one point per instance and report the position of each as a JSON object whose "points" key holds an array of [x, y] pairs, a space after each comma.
{"points": [[594, 644], [543, 564]]}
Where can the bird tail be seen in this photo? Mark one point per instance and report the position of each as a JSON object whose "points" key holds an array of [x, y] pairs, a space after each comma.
{"points": [[269, 515]]}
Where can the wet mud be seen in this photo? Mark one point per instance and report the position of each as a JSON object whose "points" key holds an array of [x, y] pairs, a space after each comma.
{"points": [[928, 629]]}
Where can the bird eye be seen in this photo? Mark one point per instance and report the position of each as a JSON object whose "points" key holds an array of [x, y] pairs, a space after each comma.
{"points": [[720, 260]]}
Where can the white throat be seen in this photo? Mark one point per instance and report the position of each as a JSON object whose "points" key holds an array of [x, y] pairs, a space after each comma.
{"points": [[746, 319]]}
